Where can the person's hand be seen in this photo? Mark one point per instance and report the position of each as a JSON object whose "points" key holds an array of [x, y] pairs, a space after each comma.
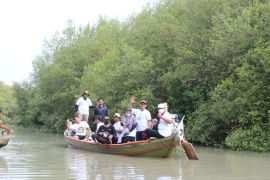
{"points": [[149, 123], [69, 124], [127, 133], [10, 131], [159, 115], [101, 133], [132, 99], [110, 137]]}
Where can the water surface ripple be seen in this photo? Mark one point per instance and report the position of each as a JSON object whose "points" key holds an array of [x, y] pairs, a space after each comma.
{"points": [[34, 155]]}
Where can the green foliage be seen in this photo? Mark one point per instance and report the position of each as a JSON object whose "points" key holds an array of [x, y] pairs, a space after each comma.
{"points": [[27, 111], [7, 102], [121, 71], [207, 58], [252, 139], [239, 107]]}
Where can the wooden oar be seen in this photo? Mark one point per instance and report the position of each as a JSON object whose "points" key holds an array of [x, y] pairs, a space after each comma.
{"points": [[189, 149]]}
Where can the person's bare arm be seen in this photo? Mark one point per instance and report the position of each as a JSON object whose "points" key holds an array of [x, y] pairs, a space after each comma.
{"points": [[131, 102], [89, 132], [165, 118], [119, 131], [69, 124], [6, 128], [149, 122]]}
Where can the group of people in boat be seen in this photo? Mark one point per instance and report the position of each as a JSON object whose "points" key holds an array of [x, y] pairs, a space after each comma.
{"points": [[135, 124]]}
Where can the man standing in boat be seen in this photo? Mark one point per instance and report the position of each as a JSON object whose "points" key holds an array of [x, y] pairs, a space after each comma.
{"points": [[100, 111], [142, 117], [82, 106]]}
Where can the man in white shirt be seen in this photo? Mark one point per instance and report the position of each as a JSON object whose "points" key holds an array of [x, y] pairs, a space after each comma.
{"points": [[165, 123], [142, 117], [82, 106], [80, 128]]}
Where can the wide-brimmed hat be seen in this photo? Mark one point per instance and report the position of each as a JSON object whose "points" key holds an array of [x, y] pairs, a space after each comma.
{"points": [[117, 115], [85, 92], [143, 101]]}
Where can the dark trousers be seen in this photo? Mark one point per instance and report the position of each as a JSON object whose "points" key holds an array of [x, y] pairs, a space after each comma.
{"points": [[114, 139], [153, 133], [139, 135], [104, 140], [81, 137], [100, 139], [127, 139]]}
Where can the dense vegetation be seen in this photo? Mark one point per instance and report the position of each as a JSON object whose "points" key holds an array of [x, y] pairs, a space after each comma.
{"points": [[209, 59], [7, 102]]}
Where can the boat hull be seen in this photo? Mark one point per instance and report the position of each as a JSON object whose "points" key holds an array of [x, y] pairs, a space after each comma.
{"points": [[164, 147], [3, 141]]}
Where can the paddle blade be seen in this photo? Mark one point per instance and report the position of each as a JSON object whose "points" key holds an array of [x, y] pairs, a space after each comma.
{"points": [[190, 151]]}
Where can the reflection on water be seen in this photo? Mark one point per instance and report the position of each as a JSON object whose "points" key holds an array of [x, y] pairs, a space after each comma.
{"points": [[103, 166], [3, 167], [226, 164], [45, 156]]}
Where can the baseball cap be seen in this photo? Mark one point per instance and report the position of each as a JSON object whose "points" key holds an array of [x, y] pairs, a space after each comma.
{"points": [[161, 106], [116, 115]]}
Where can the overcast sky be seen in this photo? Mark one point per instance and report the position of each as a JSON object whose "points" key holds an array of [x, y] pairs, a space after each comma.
{"points": [[26, 23]]}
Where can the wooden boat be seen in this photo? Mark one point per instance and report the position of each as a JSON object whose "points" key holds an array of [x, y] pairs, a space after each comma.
{"points": [[4, 139], [164, 147]]}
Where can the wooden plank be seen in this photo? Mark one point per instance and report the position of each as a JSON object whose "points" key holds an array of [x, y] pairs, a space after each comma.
{"points": [[190, 151]]}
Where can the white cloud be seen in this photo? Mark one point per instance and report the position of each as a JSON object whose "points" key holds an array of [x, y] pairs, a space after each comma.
{"points": [[25, 24]]}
